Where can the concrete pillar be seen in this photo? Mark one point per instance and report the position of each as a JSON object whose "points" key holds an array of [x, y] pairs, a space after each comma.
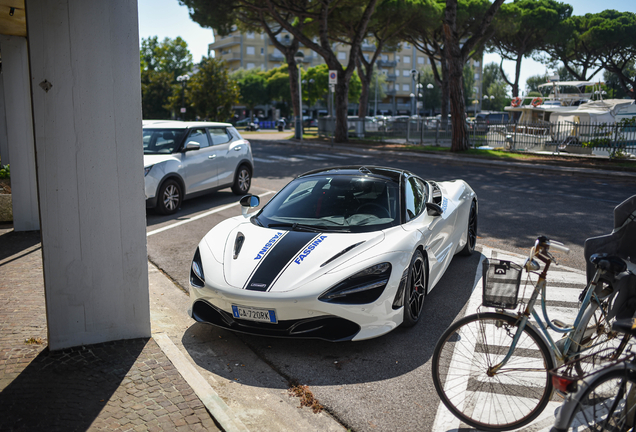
{"points": [[18, 126], [4, 143], [86, 92]]}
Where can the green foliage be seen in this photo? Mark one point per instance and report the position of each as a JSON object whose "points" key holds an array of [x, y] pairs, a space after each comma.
{"points": [[156, 90], [432, 98], [252, 86], [211, 93], [470, 93], [611, 136], [170, 55], [5, 171]]}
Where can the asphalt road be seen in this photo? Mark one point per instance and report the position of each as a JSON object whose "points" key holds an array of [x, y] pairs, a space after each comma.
{"points": [[384, 383]]}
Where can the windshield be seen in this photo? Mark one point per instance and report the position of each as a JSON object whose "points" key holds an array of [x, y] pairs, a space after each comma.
{"points": [[334, 203], [162, 141]]}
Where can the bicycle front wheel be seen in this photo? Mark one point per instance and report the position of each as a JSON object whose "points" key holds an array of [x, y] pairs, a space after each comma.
{"points": [[508, 399], [607, 403]]}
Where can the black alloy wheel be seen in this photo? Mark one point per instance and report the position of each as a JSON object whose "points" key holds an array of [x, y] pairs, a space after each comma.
{"points": [[471, 240], [242, 180], [415, 291], [170, 197]]}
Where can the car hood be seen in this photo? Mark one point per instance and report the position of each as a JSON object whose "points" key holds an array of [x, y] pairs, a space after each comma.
{"points": [[276, 260], [153, 159]]}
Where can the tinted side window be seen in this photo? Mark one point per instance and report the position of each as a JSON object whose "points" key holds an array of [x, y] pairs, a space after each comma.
{"points": [[199, 136], [219, 136], [414, 197]]}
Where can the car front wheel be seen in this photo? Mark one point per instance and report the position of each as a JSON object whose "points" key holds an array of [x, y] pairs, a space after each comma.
{"points": [[169, 198], [471, 231], [242, 180], [415, 291]]}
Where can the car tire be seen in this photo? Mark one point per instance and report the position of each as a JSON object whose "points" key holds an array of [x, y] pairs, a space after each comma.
{"points": [[170, 197], [415, 289], [471, 231], [242, 180]]}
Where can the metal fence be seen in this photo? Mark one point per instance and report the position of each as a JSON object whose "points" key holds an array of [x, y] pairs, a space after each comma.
{"points": [[597, 138]]}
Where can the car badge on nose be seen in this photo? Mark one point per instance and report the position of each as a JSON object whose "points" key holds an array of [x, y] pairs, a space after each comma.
{"points": [[258, 285]]}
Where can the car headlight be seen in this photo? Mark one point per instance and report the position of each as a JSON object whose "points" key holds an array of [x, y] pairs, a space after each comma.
{"points": [[197, 279], [361, 288], [147, 170]]}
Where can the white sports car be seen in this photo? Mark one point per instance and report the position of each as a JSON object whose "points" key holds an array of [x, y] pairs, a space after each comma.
{"points": [[346, 253]]}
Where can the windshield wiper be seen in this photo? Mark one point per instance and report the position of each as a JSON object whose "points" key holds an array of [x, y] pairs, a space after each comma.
{"points": [[295, 227]]}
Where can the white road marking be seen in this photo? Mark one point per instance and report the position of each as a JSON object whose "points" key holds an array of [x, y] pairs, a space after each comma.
{"points": [[264, 160], [445, 421], [199, 216], [333, 156], [288, 159], [309, 157], [351, 155]]}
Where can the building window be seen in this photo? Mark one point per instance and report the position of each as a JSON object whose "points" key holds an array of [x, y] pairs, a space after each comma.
{"points": [[476, 63], [477, 75], [407, 46], [366, 57], [397, 58], [406, 72], [250, 35], [250, 66], [407, 59], [406, 87], [385, 57], [420, 60], [342, 55], [226, 51], [262, 51], [250, 50]]}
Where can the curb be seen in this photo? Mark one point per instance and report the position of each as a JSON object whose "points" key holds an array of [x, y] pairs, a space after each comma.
{"points": [[466, 160]]}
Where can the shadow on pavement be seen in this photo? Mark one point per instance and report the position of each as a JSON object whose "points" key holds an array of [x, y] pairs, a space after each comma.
{"points": [[322, 363], [66, 390], [12, 242]]}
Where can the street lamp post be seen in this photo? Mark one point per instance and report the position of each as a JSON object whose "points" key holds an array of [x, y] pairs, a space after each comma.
{"points": [[419, 95], [430, 87], [299, 57], [183, 79]]}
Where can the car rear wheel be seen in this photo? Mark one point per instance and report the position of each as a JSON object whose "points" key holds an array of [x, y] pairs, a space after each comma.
{"points": [[471, 231], [170, 197], [242, 180], [415, 291]]}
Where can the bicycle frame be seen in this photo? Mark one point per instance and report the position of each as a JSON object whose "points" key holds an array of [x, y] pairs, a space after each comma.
{"points": [[540, 287]]}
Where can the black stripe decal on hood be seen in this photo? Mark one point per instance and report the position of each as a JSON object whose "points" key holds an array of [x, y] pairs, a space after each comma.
{"points": [[277, 259]]}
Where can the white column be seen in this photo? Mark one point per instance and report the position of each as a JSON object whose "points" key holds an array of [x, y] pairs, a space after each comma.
{"points": [[87, 113], [4, 144], [19, 132]]}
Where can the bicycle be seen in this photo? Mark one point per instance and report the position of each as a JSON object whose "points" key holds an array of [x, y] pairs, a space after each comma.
{"points": [[490, 369], [605, 400]]}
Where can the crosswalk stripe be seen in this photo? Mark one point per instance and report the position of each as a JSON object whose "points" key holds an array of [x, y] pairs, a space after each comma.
{"points": [[288, 159], [354, 155]]}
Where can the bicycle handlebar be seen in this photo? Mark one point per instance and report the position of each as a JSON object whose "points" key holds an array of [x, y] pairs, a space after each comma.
{"points": [[553, 244]]}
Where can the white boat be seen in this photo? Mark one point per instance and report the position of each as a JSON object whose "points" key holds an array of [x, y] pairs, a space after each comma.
{"points": [[567, 116]]}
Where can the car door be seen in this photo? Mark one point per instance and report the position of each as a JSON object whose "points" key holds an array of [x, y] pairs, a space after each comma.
{"points": [[229, 152], [200, 166]]}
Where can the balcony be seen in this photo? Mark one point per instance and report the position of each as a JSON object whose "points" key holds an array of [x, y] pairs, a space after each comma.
{"points": [[386, 63], [368, 47], [391, 78], [276, 57], [225, 42], [391, 92]]}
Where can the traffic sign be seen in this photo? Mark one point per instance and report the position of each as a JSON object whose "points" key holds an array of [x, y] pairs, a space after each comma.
{"points": [[183, 109], [333, 77]]}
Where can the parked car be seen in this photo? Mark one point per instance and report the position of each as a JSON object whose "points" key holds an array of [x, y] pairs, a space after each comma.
{"points": [[340, 253], [187, 159], [485, 119]]}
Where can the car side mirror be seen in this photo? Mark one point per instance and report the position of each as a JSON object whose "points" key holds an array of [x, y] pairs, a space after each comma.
{"points": [[192, 145], [433, 209], [248, 202]]}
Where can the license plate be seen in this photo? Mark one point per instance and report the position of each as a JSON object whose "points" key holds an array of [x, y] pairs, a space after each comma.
{"points": [[254, 314]]}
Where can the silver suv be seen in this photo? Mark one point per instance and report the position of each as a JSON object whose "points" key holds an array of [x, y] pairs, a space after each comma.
{"points": [[186, 159]]}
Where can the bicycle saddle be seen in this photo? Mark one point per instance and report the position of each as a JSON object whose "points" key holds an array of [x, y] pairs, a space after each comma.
{"points": [[610, 263]]}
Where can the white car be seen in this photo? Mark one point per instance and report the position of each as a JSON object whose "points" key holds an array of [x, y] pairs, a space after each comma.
{"points": [[186, 159], [345, 253]]}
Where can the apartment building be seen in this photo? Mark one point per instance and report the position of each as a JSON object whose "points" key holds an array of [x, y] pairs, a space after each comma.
{"points": [[254, 50]]}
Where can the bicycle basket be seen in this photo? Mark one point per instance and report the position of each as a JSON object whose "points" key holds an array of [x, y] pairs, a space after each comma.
{"points": [[501, 280]]}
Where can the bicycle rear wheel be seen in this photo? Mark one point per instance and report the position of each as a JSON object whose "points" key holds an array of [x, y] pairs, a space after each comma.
{"points": [[608, 403], [598, 336], [511, 398]]}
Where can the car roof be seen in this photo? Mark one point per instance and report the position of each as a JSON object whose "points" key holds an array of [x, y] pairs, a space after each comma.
{"points": [[175, 124], [393, 174]]}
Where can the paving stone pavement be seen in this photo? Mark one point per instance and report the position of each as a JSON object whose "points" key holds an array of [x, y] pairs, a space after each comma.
{"points": [[122, 386]]}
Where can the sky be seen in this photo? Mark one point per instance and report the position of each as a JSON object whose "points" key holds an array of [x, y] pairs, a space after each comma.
{"points": [[166, 18]]}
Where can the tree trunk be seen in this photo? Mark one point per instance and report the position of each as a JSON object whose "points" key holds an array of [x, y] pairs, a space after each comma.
{"points": [[342, 105], [445, 92], [515, 86], [363, 105]]}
